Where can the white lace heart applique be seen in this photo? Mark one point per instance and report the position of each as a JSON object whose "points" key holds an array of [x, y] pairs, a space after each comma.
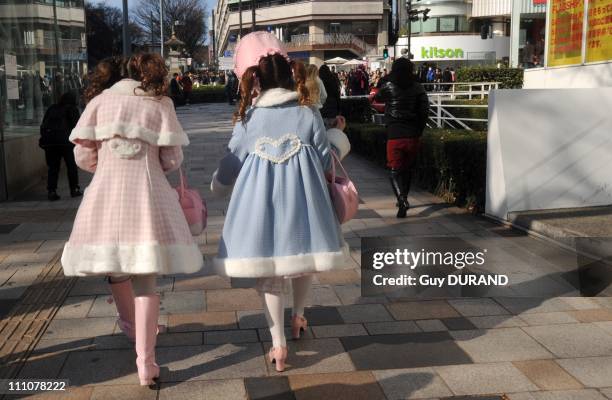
{"points": [[278, 150], [125, 148]]}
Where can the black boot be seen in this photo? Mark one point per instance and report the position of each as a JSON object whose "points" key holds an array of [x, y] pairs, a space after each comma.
{"points": [[405, 186], [397, 184], [52, 195], [76, 192]]}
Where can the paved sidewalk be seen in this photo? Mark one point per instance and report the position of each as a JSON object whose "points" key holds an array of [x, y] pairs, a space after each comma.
{"points": [[355, 348]]}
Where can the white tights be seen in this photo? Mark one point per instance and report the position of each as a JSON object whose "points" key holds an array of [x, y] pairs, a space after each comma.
{"points": [[141, 284], [275, 309]]}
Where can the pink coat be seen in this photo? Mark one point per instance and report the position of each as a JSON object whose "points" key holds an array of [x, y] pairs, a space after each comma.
{"points": [[130, 221]]}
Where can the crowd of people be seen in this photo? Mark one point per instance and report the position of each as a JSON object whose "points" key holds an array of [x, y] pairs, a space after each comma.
{"points": [[358, 81], [361, 80], [132, 226]]}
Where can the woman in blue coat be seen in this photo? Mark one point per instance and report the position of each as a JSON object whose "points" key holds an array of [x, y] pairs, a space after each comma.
{"points": [[280, 224]]}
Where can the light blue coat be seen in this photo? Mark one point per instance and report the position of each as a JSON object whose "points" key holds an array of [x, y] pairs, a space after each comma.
{"points": [[280, 220]]}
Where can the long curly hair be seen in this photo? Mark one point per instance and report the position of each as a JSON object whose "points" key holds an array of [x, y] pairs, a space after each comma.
{"points": [[106, 74], [151, 71], [312, 83], [273, 71]]}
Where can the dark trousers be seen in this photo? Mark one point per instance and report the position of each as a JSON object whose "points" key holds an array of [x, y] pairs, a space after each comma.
{"points": [[54, 157]]}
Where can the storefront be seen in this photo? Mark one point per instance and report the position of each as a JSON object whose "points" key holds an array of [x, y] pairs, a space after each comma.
{"points": [[456, 50], [43, 56], [578, 48]]}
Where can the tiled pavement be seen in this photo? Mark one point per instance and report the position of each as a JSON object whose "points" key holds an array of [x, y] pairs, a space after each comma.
{"points": [[355, 348]]}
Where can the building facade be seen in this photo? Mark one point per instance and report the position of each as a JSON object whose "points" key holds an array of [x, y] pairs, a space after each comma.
{"points": [[313, 30], [527, 33], [43, 55]]}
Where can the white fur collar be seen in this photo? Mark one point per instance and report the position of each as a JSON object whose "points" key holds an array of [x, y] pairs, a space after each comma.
{"points": [[127, 87], [275, 97]]}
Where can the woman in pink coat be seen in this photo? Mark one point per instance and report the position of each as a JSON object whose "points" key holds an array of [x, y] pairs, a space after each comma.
{"points": [[130, 225]]}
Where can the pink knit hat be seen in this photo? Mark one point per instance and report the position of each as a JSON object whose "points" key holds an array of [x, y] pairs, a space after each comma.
{"points": [[253, 47]]}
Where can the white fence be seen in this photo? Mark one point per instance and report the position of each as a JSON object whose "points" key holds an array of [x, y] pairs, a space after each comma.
{"points": [[441, 111]]}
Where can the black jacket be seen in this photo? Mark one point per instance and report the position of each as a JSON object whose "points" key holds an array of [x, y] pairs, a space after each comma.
{"points": [[331, 107], [231, 85], [406, 110], [58, 122], [175, 88]]}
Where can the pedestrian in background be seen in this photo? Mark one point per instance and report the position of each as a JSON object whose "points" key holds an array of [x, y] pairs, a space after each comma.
{"points": [[447, 78], [187, 84], [315, 86], [58, 122], [331, 105], [130, 225], [359, 82], [176, 90], [231, 87], [406, 108]]}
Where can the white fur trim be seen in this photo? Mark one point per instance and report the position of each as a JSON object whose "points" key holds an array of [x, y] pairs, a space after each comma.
{"points": [[339, 140], [127, 131], [128, 87], [263, 267], [275, 97], [131, 259], [219, 188]]}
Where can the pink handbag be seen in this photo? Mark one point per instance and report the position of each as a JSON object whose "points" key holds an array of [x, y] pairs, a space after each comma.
{"points": [[194, 207], [343, 193]]}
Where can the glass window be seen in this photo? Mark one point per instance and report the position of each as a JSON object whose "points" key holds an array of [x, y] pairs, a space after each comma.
{"points": [[431, 25], [37, 74], [448, 24], [464, 25], [415, 26]]}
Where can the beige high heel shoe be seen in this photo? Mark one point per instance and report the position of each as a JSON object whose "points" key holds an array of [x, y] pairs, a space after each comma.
{"points": [[277, 356], [298, 325]]}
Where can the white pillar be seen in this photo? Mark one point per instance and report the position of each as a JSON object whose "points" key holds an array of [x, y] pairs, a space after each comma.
{"points": [[515, 28]]}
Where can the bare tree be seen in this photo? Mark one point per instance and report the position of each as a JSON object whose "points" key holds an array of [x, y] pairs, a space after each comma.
{"points": [[104, 31], [190, 15]]}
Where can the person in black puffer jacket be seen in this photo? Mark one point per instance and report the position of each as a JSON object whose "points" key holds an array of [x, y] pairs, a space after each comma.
{"points": [[406, 108], [331, 107], [58, 122]]}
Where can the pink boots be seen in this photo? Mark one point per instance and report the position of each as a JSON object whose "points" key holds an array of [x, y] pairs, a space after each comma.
{"points": [[147, 312], [277, 356], [124, 301]]}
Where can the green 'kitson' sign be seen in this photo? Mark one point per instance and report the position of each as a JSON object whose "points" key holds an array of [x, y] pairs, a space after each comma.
{"points": [[434, 52]]}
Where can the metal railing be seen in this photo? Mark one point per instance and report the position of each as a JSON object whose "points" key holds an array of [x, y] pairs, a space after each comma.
{"points": [[462, 90], [441, 117], [333, 40], [440, 111]]}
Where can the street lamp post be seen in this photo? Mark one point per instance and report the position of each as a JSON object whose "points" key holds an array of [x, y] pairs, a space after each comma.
{"points": [[254, 24], [413, 16], [409, 23], [240, 18], [126, 30], [161, 27]]}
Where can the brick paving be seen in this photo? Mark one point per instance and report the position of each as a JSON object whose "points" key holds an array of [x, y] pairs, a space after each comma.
{"points": [[380, 347]]}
